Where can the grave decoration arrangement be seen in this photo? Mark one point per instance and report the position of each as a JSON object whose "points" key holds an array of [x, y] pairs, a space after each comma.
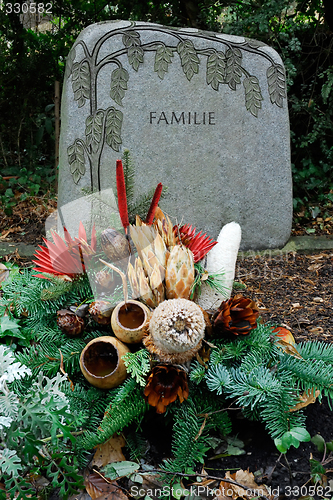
{"points": [[81, 361]]}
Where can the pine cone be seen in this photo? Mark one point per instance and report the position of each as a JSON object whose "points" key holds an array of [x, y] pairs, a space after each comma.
{"points": [[101, 311], [179, 273], [69, 323], [237, 315], [165, 383]]}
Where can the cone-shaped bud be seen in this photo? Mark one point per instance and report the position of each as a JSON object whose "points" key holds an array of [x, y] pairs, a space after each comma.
{"points": [[179, 273]]}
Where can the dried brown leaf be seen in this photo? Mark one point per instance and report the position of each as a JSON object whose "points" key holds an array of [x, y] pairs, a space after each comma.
{"points": [[307, 398], [249, 490], [100, 488], [110, 451]]}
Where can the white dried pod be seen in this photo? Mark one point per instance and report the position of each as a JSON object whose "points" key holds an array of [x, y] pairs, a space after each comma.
{"points": [[221, 259], [176, 330]]}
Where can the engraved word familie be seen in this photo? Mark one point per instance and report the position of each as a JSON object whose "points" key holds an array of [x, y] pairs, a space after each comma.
{"points": [[184, 118]]}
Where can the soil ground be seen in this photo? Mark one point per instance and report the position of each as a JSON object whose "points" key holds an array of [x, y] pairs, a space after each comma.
{"points": [[292, 290]]}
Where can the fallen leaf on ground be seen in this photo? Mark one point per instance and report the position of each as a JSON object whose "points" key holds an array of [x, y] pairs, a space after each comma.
{"points": [[317, 330], [4, 273], [307, 398], [98, 487], [250, 488], [109, 452]]}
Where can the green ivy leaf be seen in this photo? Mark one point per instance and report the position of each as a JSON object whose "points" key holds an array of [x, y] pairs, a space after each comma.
{"points": [[120, 469]]}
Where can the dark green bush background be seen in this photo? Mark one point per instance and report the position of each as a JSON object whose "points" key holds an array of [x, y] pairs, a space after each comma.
{"points": [[31, 61]]}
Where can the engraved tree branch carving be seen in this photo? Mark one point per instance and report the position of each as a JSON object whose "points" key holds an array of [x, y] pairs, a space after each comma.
{"points": [[103, 126]]}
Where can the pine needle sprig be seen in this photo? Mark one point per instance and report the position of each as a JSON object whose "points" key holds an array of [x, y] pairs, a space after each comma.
{"points": [[213, 280]]}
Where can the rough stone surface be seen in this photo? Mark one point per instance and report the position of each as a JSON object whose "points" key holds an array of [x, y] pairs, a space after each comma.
{"points": [[203, 113]]}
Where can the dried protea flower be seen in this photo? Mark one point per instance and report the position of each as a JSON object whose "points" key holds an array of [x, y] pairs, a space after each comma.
{"points": [[115, 245], [165, 383], [101, 311], [176, 330], [69, 323], [237, 315], [179, 273]]}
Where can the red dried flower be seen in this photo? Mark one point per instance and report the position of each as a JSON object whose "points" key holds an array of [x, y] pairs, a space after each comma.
{"points": [[65, 258], [199, 244], [165, 383], [237, 315]]}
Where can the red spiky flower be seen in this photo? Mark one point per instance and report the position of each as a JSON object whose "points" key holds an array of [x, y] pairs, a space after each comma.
{"points": [[121, 193], [65, 258], [199, 244]]}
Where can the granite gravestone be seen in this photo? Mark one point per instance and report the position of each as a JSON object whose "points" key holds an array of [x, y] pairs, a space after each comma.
{"points": [[204, 113]]}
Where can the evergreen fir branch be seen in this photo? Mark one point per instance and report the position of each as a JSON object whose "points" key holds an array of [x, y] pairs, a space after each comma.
{"points": [[274, 413], [189, 445], [116, 418], [142, 203], [308, 374], [218, 379], [138, 365], [137, 446], [316, 350], [197, 372], [129, 172], [121, 393]]}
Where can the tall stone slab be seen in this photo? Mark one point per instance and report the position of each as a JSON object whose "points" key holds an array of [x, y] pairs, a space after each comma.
{"points": [[204, 113]]}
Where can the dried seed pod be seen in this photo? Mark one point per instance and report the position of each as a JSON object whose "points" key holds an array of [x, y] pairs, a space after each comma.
{"points": [[69, 323], [176, 330], [104, 280], [115, 245], [101, 362], [101, 311], [166, 383]]}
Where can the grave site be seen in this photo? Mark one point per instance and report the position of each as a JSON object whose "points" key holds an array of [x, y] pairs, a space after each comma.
{"points": [[167, 338]]}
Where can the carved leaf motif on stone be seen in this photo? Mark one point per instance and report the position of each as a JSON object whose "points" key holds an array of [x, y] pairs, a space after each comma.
{"points": [[131, 38], [119, 79], [114, 121], [253, 95], [188, 57], [216, 67], [276, 84], [75, 154], [135, 57], [94, 128], [234, 68], [81, 82], [69, 62], [254, 44], [162, 60], [132, 41]]}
